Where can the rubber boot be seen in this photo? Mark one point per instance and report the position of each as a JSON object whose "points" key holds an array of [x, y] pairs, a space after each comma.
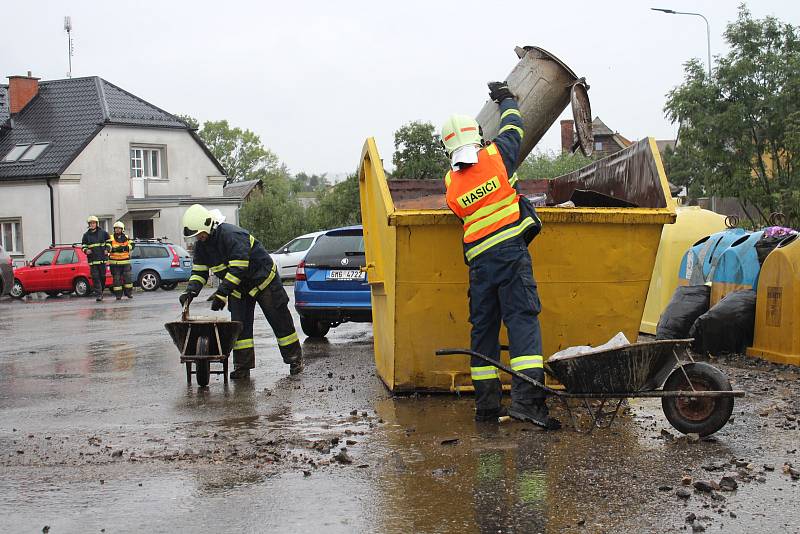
{"points": [[240, 373], [535, 412], [294, 357]]}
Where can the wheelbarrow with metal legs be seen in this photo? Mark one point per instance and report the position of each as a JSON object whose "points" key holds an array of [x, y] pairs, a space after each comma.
{"points": [[696, 397], [204, 341]]}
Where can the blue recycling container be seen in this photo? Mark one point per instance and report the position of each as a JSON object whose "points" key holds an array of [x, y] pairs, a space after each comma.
{"points": [[737, 267], [699, 260]]}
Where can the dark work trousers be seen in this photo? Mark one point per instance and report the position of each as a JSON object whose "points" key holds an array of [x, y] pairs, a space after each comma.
{"points": [[501, 287], [273, 301], [98, 272], [123, 280]]}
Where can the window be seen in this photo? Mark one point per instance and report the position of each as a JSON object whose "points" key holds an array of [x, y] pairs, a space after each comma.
{"points": [[598, 145], [155, 252], [45, 258], [146, 163], [105, 224], [66, 257], [299, 245], [11, 235], [26, 152]]}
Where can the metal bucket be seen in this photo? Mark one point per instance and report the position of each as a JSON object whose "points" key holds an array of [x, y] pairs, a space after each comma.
{"points": [[543, 85]]}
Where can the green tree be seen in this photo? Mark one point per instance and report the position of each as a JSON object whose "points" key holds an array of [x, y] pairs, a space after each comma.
{"points": [[337, 206], [190, 121], [274, 216], [418, 152], [740, 129], [240, 152], [547, 165]]}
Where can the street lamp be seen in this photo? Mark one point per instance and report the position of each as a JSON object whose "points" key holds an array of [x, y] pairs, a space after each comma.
{"points": [[708, 29]]}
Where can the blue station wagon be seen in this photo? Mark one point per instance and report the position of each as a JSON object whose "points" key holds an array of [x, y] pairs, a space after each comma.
{"points": [[157, 264]]}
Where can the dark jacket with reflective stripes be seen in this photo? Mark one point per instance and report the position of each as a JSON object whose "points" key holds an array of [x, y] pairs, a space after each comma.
{"points": [[509, 140], [236, 257], [94, 244]]}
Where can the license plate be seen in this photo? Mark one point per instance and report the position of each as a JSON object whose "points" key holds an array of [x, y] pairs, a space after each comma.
{"points": [[346, 275], [187, 264]]}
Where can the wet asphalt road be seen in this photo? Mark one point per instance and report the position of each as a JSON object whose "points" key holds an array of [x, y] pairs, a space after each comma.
{"points": [[99, 432]]}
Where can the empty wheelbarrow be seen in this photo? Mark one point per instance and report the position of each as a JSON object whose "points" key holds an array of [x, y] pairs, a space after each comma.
{"points": [[696, 396], [203, 341]]}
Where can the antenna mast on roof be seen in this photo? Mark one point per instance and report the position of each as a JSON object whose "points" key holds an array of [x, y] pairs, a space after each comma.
{"points": [[68, 29]]}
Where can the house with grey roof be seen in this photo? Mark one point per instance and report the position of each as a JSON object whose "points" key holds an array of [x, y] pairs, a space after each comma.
{"points": [[83, 146]]}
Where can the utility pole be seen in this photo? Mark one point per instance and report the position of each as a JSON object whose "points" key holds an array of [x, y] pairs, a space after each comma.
{"points": [[68, 29]]}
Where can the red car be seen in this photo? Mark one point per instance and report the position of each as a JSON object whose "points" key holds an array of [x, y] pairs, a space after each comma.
{"points": [[59, 269]]}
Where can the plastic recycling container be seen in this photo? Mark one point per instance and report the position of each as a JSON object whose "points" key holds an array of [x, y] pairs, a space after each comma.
{"points": [[691, 224], [737, 267], [698, 261], [592, 264], [777, 330]]}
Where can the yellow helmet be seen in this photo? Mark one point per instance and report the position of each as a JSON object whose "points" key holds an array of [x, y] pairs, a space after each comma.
{"points": [[458, 131], [197, 219], [119, 224], [92, 218]]}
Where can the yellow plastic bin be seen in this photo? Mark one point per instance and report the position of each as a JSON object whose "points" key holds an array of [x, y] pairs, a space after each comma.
{"points": [[777, 330], [592, 265], [692, 223]]}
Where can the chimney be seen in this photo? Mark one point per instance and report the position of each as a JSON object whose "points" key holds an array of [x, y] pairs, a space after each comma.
{"points": [[567, 136], [21, 90]]}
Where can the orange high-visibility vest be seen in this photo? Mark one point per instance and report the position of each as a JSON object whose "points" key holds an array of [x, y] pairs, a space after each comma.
{"points": [[481, 195], [120, 258]]}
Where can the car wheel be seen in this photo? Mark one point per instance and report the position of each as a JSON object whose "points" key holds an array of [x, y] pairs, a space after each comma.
{"points": [[169, 286], [149, 280], [81, 286], [314, 327], [17, 291]]}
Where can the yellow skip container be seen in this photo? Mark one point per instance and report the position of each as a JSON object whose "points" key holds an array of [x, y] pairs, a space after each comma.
{"points": [[777, 330], [592, 264], [691, 224]]}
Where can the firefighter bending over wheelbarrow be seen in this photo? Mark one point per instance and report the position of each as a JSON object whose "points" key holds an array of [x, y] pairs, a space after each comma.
{"points": [[247, 276]]}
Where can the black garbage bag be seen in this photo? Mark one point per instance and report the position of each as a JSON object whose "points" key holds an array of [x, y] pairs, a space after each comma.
{"points": [[687, 304], [765, 245], [728, 326]]}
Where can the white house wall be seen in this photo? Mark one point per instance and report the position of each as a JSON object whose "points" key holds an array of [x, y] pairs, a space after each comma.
{"points": [[30, 201], [98, 181]]}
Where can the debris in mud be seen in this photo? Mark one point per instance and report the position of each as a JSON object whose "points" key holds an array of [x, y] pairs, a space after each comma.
{"points": [[686, 480], [342, 457], [449, 441], [703, 486], [728, 484], [117, 454], [665, 488], [443, 472], [683, 493], [666, 435], [46, 529]]}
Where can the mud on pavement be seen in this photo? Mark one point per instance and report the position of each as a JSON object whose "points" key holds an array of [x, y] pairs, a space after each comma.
{"points": [[98, 431]]}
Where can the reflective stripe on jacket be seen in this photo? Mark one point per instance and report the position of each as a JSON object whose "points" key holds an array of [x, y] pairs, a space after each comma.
{"points": [[120, 253]]}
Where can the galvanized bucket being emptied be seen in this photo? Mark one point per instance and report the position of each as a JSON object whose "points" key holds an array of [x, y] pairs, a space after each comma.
{"points": [[543, 85]]}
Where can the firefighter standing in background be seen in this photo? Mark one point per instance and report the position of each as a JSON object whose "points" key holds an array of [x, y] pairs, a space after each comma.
{"points": [[498, 225], [94, 245], [119, 257], [248, 276]]}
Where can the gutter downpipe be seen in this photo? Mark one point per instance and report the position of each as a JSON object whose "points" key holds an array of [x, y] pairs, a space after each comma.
{"points": [[52, 213]]}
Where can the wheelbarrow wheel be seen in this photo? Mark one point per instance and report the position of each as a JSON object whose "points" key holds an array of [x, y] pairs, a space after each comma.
{"points": [[202, 367], [697, 415]]}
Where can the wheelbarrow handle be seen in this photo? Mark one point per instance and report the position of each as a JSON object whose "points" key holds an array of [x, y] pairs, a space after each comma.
{"points": [[499, 365]]}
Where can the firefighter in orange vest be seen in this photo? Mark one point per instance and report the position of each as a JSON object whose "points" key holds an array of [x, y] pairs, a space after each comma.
{"points": [[119, 258], [498, 225]]}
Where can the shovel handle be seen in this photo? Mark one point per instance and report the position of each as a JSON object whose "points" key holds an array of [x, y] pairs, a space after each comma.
{"points": [[185, 313]]}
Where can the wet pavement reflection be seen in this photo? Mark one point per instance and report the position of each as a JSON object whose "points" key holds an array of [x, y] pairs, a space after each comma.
{"points": [[98, 430]]}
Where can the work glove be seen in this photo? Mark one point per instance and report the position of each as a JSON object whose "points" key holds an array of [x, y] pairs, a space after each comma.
{"points": [[499, 91], [218, 301], [188, 296]]}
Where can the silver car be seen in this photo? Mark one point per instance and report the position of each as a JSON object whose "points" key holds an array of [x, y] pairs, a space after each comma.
{"points": [[6, 273]]}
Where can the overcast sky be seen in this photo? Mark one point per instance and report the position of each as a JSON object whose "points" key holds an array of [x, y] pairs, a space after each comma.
{"points": [[315, 79]]}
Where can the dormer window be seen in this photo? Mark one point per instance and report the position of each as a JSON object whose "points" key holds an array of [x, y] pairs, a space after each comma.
{"points": [[25, 152]]}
